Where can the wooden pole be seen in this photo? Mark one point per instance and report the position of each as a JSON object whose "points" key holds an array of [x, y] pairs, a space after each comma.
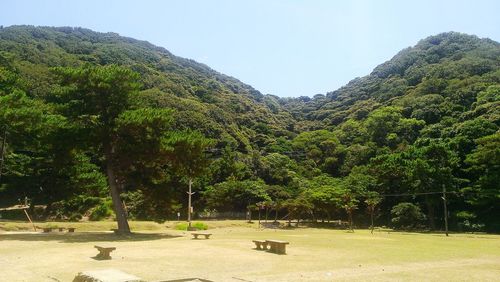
{"points": [[259, 215], [445, 211], [29, 218], [189, 203], [372, 211], [2, 152]]}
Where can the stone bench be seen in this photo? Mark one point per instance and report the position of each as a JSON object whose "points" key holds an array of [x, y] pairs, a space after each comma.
{"points": [[196, 234], [47, 229], [104, 252], [277, 247], [260, 244]]}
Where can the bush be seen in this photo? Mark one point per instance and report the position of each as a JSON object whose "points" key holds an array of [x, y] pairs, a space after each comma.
{"points": [[102, 211], [74, 208], [197, 225], [406, 216], [466, 222]]}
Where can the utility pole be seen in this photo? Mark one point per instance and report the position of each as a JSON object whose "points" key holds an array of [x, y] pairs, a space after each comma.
{"points": [[190, 209], [445, 210], [2, 151]]}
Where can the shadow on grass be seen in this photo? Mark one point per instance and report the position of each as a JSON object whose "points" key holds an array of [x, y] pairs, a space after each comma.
{"points": [[318, 225], [86, 237], [327, 225], [443, 234]]}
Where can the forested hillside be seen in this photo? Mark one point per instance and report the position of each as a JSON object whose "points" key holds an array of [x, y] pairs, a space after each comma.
{"points": [[82, 111]]}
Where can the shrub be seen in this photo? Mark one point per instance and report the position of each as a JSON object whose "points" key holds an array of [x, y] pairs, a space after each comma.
{"points": [[74, 208], [466, 222], [406, 216], [197, 225], [103, 210]]}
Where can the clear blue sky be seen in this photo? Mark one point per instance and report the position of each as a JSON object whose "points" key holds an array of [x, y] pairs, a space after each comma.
{"points": [[286, 48]]}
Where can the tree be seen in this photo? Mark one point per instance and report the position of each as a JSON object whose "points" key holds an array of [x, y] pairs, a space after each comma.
{"points": [[298, 206], [93, 98], [326, 194], [430, 167], [186, 155], [323, 147], [236, 195], [484, 193], [350, 204], [372, 200], [277, 169], [382, 122], [406, 216], [278, 195], [33, 159]]}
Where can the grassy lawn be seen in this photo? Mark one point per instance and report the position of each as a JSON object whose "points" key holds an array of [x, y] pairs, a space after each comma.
{"points": [[160, 253]]}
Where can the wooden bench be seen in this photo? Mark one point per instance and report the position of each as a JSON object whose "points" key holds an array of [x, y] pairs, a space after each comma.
{"points": [[277, 247], [196, 234], [104, 252], [71, 229], [260, 244]]}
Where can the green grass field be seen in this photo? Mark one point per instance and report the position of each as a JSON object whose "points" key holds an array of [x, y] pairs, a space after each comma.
{"points": [[160, 252]]}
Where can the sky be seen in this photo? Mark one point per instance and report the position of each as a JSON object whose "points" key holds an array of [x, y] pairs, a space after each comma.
{"points": [[287, 48]]}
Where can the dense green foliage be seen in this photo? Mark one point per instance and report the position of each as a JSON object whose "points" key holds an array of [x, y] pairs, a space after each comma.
{"points": [[406, 216], [76, 103]]}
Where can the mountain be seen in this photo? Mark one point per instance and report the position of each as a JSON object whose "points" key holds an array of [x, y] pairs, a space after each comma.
{"points": [[429, 74], [424, 121], [222, 105]]}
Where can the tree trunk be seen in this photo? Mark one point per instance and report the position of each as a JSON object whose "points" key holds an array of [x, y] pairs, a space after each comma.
{"points": [[350, 220], [121, 217], [259, 217], [372, 211], [430, 213]]}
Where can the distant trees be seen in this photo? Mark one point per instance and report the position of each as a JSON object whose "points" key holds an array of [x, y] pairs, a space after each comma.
{"points": [[36, 164], [322, 147], [406, 216], [234, 195], [484, 193], [426, 119], [297, 207]]}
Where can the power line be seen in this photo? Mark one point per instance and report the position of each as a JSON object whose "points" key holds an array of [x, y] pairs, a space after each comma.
{"points": [[416, 194], [436, 192]]}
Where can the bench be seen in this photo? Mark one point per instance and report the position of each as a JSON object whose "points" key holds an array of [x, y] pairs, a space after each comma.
{"points": [[71, 229], [104, 252], [47, 229], [277, 247], [260, 244], [196, 234]]}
